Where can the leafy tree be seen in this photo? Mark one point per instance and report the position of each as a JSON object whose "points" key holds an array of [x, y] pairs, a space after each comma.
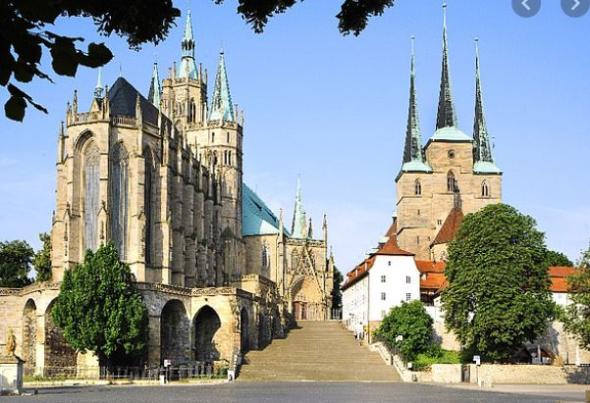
{"points": [[42, 259], [558, 259], [26, 33], [15, 263], [410, 321], [100, 310], [336, 292], [498, 295], [352, 18], [577, 314]]}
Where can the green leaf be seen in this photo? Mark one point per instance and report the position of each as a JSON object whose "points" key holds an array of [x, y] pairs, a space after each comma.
{"points": [[15, 107], [98, 55], [65, 58]]}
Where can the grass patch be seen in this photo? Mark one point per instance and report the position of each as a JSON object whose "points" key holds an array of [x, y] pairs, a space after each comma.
{"points": [[423, 361]]}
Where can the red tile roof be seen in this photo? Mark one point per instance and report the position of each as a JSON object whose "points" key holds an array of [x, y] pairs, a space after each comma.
{"points": [[389, 248], [433, 278], [450, 227]]}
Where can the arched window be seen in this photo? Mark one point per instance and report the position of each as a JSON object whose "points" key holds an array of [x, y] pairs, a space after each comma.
{"points": [[119, 181], [91, 195], [227, 135], [225, 157], [265, 259], [212, 137], [485, 189], [149, 208], [452, 182], [417, 188], [294, 260], [229, 158]]}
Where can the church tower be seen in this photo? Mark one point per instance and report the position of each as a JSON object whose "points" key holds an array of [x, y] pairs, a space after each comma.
{"points": [[452, 175], [219, 146], [184, 92]]}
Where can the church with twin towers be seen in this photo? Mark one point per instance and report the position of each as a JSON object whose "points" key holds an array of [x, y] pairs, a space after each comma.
{"points": [[161, 177], [451, 175]]}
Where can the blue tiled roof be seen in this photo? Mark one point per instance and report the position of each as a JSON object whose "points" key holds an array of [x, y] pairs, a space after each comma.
{"points": [[257, 217]]}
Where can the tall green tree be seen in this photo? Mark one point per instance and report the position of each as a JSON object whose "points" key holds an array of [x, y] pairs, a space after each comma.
{"points": [[577, 314], [336, 292], [15, 263], [28, 31], [100, 310], [42, 259], [407, 328], [498, 295], [555, 258]]}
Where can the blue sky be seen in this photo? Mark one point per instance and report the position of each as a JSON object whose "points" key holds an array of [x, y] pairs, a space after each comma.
{"points": [[333, 109]]}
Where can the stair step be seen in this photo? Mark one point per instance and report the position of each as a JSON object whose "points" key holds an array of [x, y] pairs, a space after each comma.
{"points": [[316, 351]]}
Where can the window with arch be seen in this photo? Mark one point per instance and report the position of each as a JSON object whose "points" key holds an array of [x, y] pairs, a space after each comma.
{"points": [[294, 259], [213, 137], [418, 187], [149, 206], [485, 189], [225, 157], [119, 186], [265, 259], [227, 137], [229, 158], [91, 200], [452, 182]]}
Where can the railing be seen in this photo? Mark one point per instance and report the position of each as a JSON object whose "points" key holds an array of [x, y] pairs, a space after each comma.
{"points": [[198, 370]]}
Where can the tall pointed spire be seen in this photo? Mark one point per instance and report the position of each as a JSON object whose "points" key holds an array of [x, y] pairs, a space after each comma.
{"points": [[187, 66], [155, 92], [482, 150], [221, 103], [446, 110], [299, 217], [413, 156], [99, 89]]}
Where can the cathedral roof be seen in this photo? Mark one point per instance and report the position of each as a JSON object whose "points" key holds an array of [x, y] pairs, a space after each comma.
{"points": [[450, 227], [123, 98], [221, 103], [257, 217]]}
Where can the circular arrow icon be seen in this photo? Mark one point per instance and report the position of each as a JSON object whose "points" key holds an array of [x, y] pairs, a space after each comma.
{"points": [[527, 8], [575, 8]]}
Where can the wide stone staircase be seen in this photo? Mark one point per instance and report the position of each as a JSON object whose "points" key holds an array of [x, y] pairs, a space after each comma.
{"points": [[316, 351]]}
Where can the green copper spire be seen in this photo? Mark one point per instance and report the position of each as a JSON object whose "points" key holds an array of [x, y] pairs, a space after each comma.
{"points": [[299, 216], [482, 150], [99, 89], [446, 110], [155, 92], [413, 157], [221, 104], [187, 66]]}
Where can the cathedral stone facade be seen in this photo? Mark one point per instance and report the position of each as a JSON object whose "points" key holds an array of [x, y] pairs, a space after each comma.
{"points": [[453, 174], [161, 178]]}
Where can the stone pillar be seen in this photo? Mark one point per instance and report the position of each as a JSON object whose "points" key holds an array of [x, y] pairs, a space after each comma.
{"points": [[154, 341]]}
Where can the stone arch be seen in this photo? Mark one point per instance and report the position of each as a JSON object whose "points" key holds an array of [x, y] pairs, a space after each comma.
{"points": [[58, 353], [244, 331], [174, 332], [29, 336], [206, 324]]}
